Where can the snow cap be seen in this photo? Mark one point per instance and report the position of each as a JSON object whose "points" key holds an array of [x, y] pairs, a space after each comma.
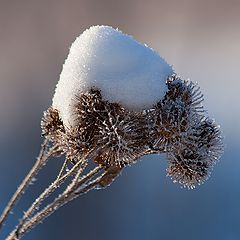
{"points": [[126, 72]]}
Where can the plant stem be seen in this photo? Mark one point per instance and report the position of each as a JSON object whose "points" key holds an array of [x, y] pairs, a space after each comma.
{"points": [[41, 160], [71, 192], [59, 180]]}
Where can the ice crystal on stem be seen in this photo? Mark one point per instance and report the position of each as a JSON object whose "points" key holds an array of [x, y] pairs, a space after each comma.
{"points": [[116, 101]]}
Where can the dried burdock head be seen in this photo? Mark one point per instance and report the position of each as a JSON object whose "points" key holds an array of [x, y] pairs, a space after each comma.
{"points": [[191, 159], [119, 135], [51, 124], [173, 116], [185, 93], [68, 141]]}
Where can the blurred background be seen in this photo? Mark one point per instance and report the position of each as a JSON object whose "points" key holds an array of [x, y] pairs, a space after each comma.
{"points": [[201, 39]]}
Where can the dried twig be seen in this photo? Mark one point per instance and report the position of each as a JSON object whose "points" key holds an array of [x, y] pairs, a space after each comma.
{"points": [[41, 160], [69, 194], [59, 180]]}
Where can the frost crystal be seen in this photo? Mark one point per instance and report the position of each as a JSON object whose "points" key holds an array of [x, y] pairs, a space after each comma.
{"points": [[126, 72]]}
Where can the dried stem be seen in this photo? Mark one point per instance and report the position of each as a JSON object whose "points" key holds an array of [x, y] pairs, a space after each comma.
{"points": [[71, 192], [59, 180], [41, 160]]}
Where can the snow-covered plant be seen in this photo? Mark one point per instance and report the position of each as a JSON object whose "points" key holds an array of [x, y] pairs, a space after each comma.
{"points": [[116, 101]]}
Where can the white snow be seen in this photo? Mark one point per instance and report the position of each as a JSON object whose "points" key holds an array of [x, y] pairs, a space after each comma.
{"points": [[125, 71]]}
